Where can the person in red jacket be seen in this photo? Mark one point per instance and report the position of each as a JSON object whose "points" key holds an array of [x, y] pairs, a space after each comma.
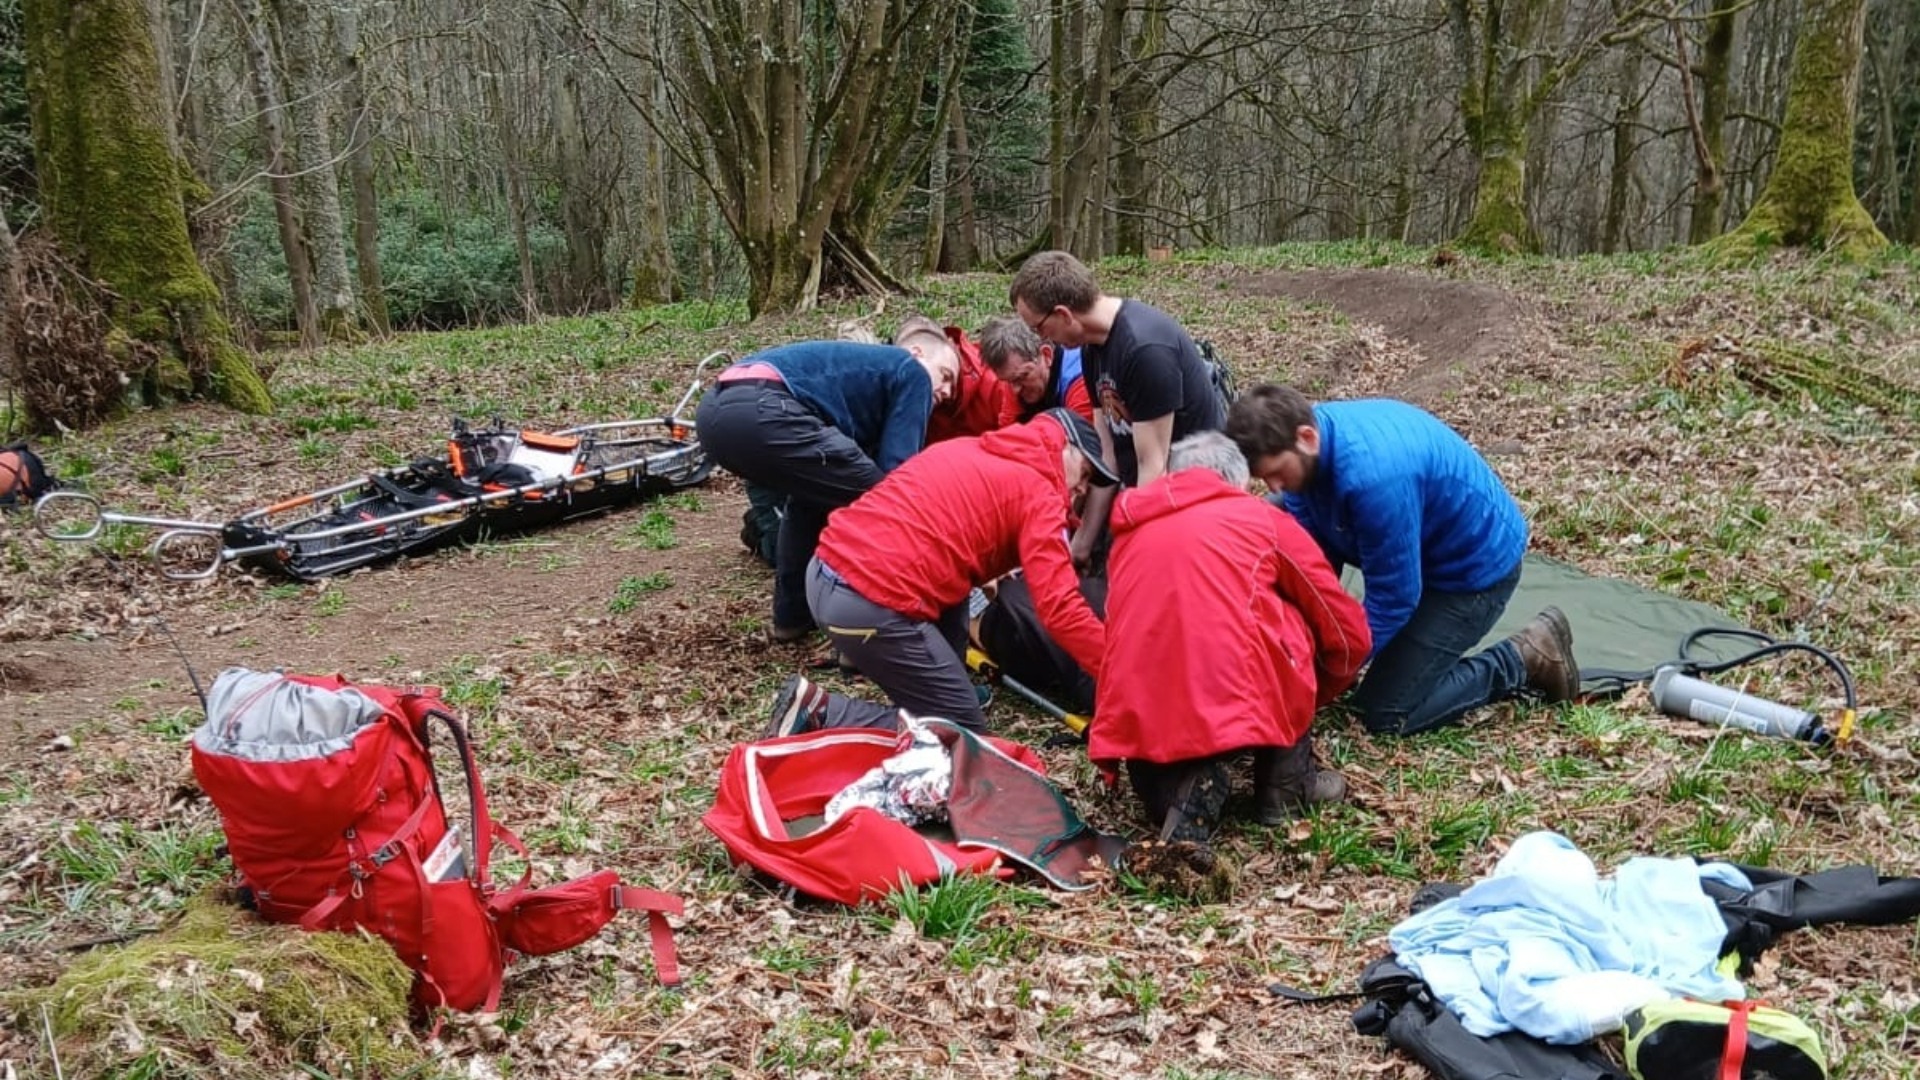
{"points": [[1226, 630], [890, 579], [980, 401]]}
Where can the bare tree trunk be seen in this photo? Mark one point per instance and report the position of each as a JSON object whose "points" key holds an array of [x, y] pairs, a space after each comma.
{"points": [[162, 32], [581, 217], [1626, 118], [12, 305], [360, 171], [266, 97], [303, 36], [1913, 203], [1066, 23], [1138, 103], [961, 248], [1713, 75], [653, 276], [513, 166], [939, 183], [1809, 199], [1884, 53]]}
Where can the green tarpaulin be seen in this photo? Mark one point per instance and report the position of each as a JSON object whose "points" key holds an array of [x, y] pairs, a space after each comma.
{"points": [[1617, 625]]}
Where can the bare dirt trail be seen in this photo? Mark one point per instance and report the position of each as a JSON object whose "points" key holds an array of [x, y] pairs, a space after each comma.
{"points": [[531, 595], [1455, 327]]}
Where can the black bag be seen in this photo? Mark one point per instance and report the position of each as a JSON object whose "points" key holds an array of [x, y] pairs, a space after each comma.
{"points": [[1780, 901], [1219, 375], [1011, 634], [1400, 1007], [23, 476]]}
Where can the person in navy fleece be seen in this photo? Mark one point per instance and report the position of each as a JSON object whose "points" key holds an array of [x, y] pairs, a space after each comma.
{"points": [[1389, 488], [820, 422]]}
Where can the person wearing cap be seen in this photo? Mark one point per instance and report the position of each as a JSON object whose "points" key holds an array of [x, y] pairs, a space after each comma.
{"points": [[1147, 378], [1226, 630], [1390, 488], [889, 583], [1041, 375], [820, 422]]}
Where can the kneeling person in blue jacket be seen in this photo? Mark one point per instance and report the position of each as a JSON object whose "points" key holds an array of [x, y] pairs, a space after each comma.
{"points": [[1389, 488]]}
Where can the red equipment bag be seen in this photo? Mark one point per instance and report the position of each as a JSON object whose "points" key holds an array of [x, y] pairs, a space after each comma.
{"points": [[334, 820], [774, 793]]}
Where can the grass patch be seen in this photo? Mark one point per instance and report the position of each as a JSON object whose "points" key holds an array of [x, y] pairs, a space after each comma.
{"points": [[627, 594], [221, 993]]}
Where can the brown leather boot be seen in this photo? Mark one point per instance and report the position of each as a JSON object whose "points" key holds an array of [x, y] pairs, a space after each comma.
{"points": [[1546, 646], [1286, 781]]}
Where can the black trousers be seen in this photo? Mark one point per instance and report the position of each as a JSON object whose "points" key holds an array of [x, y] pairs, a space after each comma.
{"points": [[761, 433]]}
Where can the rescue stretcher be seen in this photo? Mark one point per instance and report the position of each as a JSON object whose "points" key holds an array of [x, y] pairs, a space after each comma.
{"points": [[495, 480]]}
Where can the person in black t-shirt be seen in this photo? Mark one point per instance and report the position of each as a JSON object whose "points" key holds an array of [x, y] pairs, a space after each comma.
{"points": [[1147, 379]]}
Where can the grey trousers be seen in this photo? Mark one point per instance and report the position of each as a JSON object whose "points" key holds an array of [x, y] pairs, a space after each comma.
{"points": [[920, 666]]}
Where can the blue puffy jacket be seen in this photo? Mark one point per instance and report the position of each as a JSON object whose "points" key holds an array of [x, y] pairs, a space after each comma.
{"points": [[1402, 496]]}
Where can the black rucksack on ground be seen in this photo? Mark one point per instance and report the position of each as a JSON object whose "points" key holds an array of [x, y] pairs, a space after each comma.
{"points": [[23, 476]]}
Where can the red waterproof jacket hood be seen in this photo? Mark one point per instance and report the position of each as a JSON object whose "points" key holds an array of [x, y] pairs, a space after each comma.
{"points": [[962, 513], [980, 401], [1226, 626]]}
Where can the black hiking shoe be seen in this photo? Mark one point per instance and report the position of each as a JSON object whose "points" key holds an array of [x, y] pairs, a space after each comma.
{"points": [[796, 708]]}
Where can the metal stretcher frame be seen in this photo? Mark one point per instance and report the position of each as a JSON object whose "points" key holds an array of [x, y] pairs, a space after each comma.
{"points": [[414, 508]]}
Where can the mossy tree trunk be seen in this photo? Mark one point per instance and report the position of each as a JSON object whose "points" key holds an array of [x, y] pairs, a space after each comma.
{"points": [[112, 192], [1513, 57], [1809, 200]]}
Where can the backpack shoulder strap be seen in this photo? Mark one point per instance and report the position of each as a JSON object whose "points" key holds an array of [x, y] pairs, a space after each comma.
{"points": [[658, 906]]}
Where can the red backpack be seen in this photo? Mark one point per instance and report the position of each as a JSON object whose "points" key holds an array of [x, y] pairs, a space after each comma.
{"points": [[334, 820]]}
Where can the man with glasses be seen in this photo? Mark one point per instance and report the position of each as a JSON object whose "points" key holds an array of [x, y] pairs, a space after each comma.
{"points": [[1043, 376], [1148, 381], [1389, 488]]}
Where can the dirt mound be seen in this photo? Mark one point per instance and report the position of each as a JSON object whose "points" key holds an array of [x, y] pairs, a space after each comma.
{"points": [[1454, 326]]}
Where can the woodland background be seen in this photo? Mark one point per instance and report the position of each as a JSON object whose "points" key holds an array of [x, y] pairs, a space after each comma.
{"points": [[365, 165]]}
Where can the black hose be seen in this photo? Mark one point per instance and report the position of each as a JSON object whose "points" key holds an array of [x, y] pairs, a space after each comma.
{"points": [[1601, 683]]}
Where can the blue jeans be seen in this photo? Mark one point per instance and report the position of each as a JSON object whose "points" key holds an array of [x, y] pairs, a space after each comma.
{"points": [[1423, 679]]}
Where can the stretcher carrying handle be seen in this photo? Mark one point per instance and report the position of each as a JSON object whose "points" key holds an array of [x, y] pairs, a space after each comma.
{"points": [[69, 516]]}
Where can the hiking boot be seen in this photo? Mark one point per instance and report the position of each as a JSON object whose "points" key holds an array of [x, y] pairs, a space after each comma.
{"points": [[1287, 782], [787, 635], [797, 707], [983, 694], [1198, 800], [1546, 647]]}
